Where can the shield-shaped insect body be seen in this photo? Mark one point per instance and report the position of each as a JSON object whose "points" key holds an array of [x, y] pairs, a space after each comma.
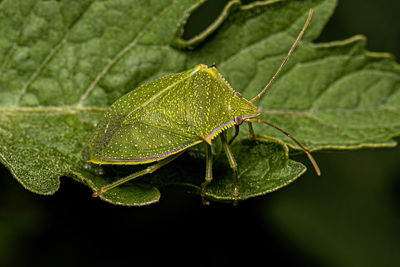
{"points": [[160, 119], [167, 115]]}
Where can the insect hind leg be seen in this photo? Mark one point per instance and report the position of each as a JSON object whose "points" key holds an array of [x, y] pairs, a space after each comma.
{"points": [[208, 178], [149, 169]]}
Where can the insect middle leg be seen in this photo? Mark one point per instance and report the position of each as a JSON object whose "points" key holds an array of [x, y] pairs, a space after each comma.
{"points": [[233, 164], [208, 178], [149, 169]]}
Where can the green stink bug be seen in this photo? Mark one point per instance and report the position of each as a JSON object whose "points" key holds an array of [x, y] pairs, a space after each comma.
{"points": [[159, 120]]}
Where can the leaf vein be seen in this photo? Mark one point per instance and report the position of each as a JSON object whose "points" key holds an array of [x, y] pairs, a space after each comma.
{"points": [[120, 54], [250, 47], [48, 58], [13, 48]]}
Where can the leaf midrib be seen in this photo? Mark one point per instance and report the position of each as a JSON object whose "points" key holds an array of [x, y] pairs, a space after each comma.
{"points": [[51, 110], [101, 109]]}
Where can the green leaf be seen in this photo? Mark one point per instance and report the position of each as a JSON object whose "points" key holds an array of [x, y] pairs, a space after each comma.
{"points": [[264, 168], [63, 63]]}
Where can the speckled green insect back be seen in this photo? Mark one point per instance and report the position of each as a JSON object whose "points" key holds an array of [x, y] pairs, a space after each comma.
{"points": [[159, 120]]}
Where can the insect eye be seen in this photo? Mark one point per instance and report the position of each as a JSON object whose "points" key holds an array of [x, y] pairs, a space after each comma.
{"points": [[239, 120], [238, 94]]}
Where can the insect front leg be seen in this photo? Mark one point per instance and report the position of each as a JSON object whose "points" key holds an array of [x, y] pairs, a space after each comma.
{"points": [[233, 164], [149, 169], [235, 135], [251, 131], [208, 178]]}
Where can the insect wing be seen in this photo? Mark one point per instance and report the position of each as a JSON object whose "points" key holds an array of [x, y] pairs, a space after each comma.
{"points": [[165, 116], [138, 127]]}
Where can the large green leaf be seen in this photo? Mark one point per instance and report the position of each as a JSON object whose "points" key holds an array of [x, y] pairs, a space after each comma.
{"points": [[62, 63]]}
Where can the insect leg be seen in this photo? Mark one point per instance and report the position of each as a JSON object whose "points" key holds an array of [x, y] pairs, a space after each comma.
{"points": [[236, 134], [251, 131], [233, 164], [208, 178], [148, 170]]}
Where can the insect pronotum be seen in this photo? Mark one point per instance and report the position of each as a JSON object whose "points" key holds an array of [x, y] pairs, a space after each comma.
{"points": [[159, 120]]}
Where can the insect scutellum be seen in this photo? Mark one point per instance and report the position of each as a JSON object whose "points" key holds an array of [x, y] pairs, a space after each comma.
{"points": [[159, 120]]}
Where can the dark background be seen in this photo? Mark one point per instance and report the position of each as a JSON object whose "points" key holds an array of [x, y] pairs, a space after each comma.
{"points": [[347, 217]]}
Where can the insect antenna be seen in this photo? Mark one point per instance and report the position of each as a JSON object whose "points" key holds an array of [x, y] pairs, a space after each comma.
{"points": [[286, 58], [310, 157]]}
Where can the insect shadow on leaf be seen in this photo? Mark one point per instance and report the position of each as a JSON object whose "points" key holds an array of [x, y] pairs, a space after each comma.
{"points": [[159, 120]]}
